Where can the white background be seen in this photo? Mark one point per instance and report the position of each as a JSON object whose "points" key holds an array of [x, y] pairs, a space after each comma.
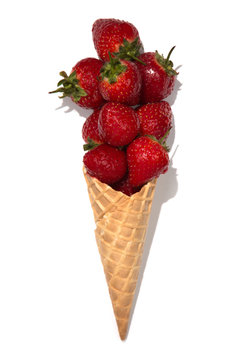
{"points": [[54, 302]]}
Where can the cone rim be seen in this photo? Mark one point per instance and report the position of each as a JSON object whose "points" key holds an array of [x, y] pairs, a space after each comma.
{"points": [[123, 195]]}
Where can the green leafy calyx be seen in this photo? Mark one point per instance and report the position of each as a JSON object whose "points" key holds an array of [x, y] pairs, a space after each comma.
{"points": [[90, 145], [162, 140], [69, 86], [130, 50], [166, 63], [112, 69]]}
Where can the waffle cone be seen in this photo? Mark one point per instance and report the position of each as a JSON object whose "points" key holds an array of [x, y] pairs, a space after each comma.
{"points": [[121, 223]]}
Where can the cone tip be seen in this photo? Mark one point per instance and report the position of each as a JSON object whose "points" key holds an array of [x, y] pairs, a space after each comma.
{"points": [[123, 330], [123, 335]]}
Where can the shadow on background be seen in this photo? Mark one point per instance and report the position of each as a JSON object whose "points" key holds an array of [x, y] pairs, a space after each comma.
{"points": [[71, 106], [171, 99]]}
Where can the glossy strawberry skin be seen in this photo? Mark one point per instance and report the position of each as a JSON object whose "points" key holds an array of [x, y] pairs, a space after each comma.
{"points": [[127, 88], [90, 128], [125, 186], [156, 83], [155, 119], [106, 163], [147, 159], [108, 35], [118, 124], [87, 73]]}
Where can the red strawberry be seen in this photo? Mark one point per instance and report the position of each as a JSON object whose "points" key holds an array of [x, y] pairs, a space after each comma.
{"points": [[147, 159], [120, 81], [155, 119], [125, 187], [158, 76], [90, 128], [118, 124], [111, 35], [82, 84], [166, 109], [106, 163]]}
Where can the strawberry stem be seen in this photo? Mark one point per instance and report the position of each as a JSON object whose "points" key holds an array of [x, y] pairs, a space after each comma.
{"points": [[169, 54]]}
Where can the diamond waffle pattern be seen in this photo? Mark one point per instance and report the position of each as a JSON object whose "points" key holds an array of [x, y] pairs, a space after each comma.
{"points": [[121, 223]]}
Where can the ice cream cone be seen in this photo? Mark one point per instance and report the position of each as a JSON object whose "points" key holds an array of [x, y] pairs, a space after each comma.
{"points": [[121, 224]]}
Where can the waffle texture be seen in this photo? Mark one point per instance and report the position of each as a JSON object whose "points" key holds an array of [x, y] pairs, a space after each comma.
{"points": [[121, 224]]}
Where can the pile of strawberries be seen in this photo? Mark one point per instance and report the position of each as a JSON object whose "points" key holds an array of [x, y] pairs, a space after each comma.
{"points": [[126, 134]]}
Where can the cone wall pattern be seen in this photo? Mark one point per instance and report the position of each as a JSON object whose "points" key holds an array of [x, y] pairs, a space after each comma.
{"points": [[121, 224]]}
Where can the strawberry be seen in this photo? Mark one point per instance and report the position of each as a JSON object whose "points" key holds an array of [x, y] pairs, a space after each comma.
{"points": [[155, 119], [120, 81], [112, 35], [82, 84], [125, 186], [90, 128], [118, 124], [106, 163], [158, 76], [147, 159]]}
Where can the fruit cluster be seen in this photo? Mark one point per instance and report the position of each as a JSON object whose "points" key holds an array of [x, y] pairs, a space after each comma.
{"points": [[126, 134]]}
